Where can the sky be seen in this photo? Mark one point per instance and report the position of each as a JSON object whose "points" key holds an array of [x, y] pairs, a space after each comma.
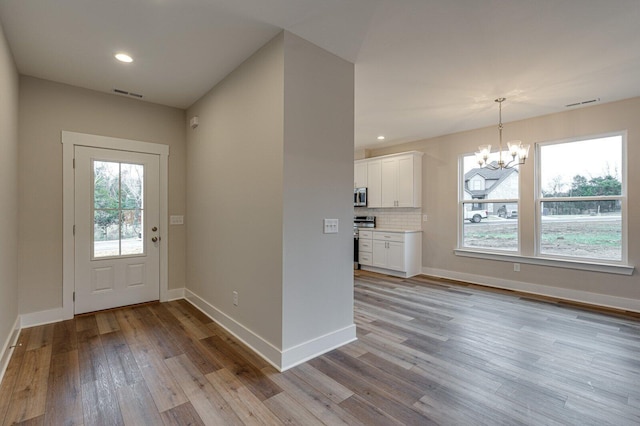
{"points": [[589, 158]]}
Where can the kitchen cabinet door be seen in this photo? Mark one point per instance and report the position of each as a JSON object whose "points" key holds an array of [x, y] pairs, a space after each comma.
{"points": [[389, 171], [360, 174], [374, 183], [407, 185], [388, 255], [379, 254], [395, 256]]}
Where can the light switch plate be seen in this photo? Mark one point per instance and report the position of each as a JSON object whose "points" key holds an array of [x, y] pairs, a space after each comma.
{"points": [[331, 226], [176, 220]]}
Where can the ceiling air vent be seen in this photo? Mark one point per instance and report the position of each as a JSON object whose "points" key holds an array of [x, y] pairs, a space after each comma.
{"points": [[590, 101], [124, 92]]}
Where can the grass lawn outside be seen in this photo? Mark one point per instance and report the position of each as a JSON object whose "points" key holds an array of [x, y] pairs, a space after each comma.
{"points": [[573, 236]]}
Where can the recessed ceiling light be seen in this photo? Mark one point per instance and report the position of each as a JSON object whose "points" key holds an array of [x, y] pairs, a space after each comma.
{"points": [[380, 138], [123, 57]]}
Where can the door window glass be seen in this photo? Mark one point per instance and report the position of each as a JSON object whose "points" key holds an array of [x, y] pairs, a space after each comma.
{"points": [[118, 207]]}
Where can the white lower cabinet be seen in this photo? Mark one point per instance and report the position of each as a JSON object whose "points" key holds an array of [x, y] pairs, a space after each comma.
{"points": [[365, 246], [395, 256], [388, 254], [364, 258], [394, 253]]}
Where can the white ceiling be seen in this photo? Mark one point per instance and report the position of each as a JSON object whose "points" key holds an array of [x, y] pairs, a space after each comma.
{"points": [[423, 67]]}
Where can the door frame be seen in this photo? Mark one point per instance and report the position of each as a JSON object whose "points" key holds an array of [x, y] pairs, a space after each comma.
{"points": [[69, 141]]}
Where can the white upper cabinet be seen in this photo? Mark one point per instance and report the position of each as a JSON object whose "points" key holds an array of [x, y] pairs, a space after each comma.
{"points": [[390, 182], [360, 174], [409, 181], [374, 184], [393, 180]]}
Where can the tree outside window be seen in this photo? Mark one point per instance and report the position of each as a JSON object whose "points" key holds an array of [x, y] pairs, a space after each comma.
{"points": [[581, 200]]}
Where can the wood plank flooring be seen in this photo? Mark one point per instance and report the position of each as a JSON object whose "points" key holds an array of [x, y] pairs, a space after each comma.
{"points": [[428, 352]]}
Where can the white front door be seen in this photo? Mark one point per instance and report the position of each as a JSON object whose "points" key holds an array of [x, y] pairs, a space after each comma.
{"points": [[117, 234]]}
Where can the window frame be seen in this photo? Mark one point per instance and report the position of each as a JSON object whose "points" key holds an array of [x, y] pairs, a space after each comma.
{"points": [[612, 267], [473, 201], [622, 198]]}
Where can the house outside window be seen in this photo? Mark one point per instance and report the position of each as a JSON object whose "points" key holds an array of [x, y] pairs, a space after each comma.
{"points": [[581, 199], [490, 225]]}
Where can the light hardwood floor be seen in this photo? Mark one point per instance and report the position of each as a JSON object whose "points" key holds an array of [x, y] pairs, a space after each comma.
{"points": [[428, 352]]}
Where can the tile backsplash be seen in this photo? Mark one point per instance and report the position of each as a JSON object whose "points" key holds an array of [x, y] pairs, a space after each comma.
{"points": [[393, 218]]}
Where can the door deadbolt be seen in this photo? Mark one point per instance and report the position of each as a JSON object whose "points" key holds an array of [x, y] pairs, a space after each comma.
{"points": [[154, 229]]}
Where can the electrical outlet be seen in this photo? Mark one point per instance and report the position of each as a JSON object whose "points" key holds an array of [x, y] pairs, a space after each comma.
{"points": [[235, 298], [516, 267]]}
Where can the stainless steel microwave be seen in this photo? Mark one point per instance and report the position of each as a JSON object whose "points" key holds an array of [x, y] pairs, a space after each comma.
{"points": [[360, 197]]}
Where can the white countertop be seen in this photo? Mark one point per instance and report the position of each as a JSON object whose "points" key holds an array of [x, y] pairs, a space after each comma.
{"points": [[399, 231]]}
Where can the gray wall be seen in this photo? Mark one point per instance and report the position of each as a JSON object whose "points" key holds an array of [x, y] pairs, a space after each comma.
{"points": [[234, 194], [8, 192], [318, 182], [272, 157], [440, 189], [47, 108]]}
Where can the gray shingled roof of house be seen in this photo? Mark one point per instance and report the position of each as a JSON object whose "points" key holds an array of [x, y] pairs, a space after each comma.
{"points": [[488, 174]]}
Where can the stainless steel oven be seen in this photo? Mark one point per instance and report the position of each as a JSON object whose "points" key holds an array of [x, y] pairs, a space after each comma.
{"points": [[356, 249], [360, 222]]}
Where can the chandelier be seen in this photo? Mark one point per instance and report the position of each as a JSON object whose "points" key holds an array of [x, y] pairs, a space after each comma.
{"points": [[518, 151]]}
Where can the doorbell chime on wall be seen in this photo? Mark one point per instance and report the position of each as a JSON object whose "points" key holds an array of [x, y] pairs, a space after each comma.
{"points": [[193, 122]]}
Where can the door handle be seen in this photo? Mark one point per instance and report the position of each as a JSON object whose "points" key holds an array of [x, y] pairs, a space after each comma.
{"points": [[155, 239]]}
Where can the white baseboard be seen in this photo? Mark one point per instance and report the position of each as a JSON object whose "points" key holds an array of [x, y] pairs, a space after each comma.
{"points": [[391, 272], [316, 347], [175, 294], [260, 346], [623, 303], [7, 348], [281, 360], [42, 317]]}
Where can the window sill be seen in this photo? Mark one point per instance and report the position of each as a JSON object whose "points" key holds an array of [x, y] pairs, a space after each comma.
{"points": [[545, 261]]}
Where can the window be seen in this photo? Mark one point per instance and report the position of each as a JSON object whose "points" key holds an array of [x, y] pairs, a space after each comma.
{"points": [[486, 225], [581, 199], [476, 183], [117, 209]]}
